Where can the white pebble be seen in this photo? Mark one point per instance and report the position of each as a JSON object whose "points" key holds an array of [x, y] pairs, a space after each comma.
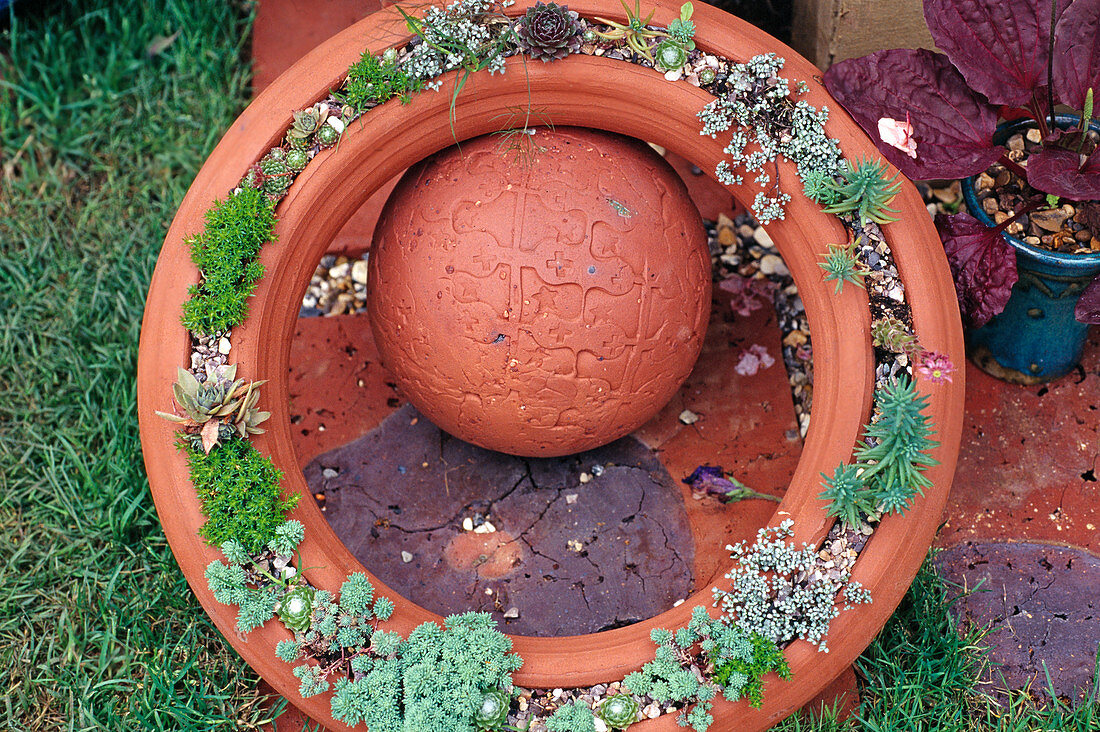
{"points": [[586, 477], [223, 346], [761, 237], [512, 612], [467, 524], [329, 473], [570, 498], [359, 272], [406, 557], [770, 264], [689, 417], [601, 726]]}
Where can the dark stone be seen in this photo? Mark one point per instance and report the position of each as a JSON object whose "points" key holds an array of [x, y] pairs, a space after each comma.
{"points": [[622, 551], [1043, 609]]}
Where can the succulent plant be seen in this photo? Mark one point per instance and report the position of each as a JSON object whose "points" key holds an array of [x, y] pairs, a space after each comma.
{"points": [[296, 608], [254, 178], [328, 135], [842, 265], [865, 190], [670, 55], [219, 402], [619, 711], [297, 160], [297, 143], [226, 432], [306, 123], [277, 174], [707, 76], [635, 33], [819, 187], [493, 710], [891, 334], [682, 30], [548, 31], [847, 496]]}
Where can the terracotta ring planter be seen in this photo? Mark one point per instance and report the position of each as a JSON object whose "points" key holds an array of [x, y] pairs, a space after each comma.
{"points": [[580, 91]]}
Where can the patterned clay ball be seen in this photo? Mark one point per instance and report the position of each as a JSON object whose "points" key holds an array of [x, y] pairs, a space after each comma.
{"points": [[540, 299]]}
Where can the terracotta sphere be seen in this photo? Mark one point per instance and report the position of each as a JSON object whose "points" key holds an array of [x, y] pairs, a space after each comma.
{"points": [[543, 306]]}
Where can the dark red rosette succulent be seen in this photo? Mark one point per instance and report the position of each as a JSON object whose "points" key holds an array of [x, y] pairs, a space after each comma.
{"points": [[548, 31]]}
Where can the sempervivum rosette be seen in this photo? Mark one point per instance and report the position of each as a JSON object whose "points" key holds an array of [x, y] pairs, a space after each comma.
{"points": [[548, 31]]}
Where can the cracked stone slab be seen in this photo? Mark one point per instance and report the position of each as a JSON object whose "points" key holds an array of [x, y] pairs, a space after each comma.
{"points": [[1043, 608], [575, 544]]}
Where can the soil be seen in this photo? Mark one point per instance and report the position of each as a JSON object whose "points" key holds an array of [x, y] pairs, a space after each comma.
{"points": [[1072, 228]]}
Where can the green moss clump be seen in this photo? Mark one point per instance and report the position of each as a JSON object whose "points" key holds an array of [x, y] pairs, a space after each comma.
{"points": [[225, 252], [373, 80], [240, 494]]}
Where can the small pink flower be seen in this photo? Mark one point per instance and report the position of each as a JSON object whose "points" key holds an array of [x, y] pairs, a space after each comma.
{"points": [[936, 366], [898, 134], [754, 358]]}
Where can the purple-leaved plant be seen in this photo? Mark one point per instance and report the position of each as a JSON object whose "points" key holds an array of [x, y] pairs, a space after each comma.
{"points": [[933, 116]]}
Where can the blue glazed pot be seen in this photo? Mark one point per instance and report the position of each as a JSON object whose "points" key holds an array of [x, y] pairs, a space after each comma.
{"points": [[1036, 338]]}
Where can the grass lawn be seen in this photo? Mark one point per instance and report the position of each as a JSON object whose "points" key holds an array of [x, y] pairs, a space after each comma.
{"points": [[105, 116]]}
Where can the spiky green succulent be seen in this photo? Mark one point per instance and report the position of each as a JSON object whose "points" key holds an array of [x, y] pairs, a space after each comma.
{"points": [[493, 710], [865, 191], [219, 407], [670, 55], [296, 608], [842, 265], [707, 76], [890, 334], [619, 711], [893, 453], [848, 497], [548, 31], [820, 187]]}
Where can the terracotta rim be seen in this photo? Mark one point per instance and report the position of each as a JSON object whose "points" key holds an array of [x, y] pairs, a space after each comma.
{"points": [[582, 91]]}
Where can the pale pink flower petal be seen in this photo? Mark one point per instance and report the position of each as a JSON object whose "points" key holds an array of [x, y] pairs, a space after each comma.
{"points": [[753, 359], [749, 294], [898, 134]]}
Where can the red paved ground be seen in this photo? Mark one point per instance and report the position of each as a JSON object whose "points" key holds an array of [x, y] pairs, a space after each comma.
{"points": [[1030, 460]]}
